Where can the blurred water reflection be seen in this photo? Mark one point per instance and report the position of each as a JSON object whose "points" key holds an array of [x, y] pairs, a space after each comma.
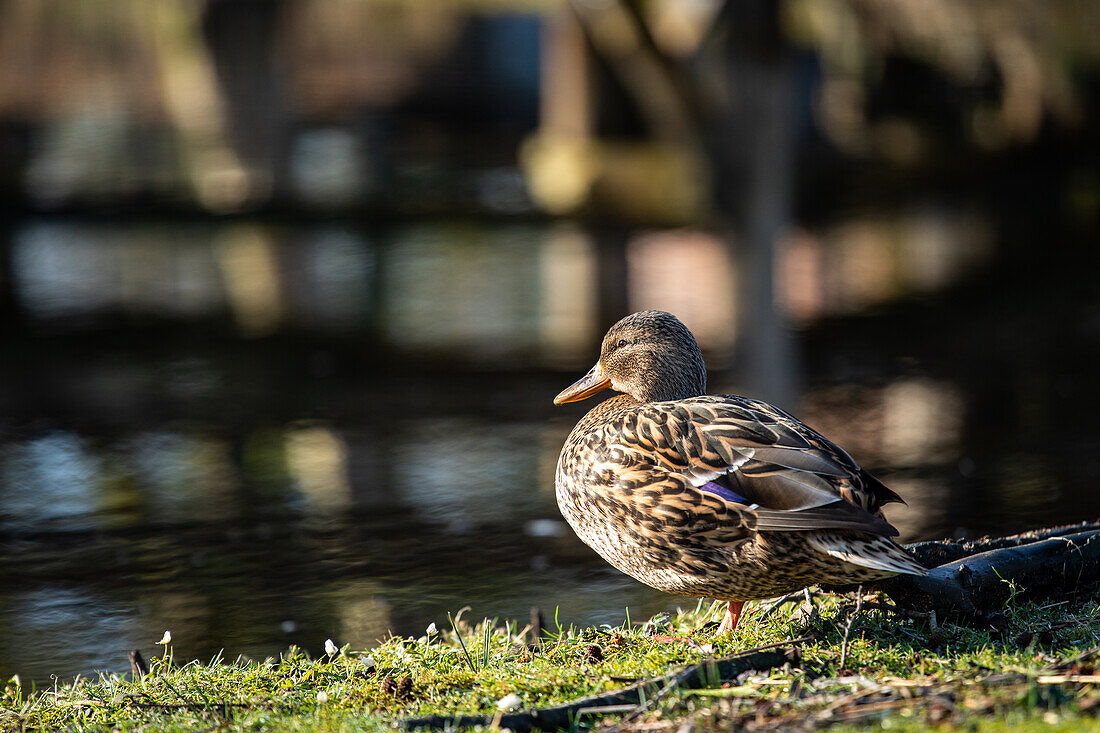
{"points": [[259, 434], [52, 480], [462, 288], [74, 273], [464, 475], [73, 269], [67, 618]]}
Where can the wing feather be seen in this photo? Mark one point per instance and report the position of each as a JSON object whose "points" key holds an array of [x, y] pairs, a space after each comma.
{"points": [[762, 461], [801, 460]]}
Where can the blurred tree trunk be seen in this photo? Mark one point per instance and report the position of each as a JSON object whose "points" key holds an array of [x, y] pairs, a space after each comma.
{"points": [[15, 147], [750, 142], [612, 291], [11, 315], [241, 36]]}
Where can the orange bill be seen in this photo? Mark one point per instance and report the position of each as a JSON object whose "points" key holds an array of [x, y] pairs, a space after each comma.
{"points": [[584, 387]]}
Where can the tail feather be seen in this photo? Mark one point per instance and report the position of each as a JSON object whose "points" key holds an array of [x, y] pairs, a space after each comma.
{"points": [[878, 553]]}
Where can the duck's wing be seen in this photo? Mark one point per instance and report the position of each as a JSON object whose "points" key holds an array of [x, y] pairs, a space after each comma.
{"points": [[751, 454]]}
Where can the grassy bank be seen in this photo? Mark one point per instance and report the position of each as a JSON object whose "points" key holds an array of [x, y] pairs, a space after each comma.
{"points": [[1034, 671]]}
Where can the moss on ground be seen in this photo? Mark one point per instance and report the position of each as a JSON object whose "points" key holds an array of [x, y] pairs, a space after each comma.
{"points": [[1033, 672]]}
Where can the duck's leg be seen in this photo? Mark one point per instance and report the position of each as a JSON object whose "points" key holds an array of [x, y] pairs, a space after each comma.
{"points": [[733, 615]]}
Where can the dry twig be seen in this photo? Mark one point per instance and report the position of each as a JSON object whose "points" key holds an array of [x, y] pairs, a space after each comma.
{"points": [[564, 716], [848, 626]]}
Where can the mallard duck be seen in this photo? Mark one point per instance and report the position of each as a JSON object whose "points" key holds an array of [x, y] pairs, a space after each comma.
{"points": [[715, 496]]}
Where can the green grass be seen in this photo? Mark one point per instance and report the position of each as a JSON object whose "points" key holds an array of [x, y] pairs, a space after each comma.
{"points": [[898, 675]]}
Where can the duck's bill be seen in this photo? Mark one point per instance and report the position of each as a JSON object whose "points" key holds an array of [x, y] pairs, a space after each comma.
{"points": [[584, 387]]}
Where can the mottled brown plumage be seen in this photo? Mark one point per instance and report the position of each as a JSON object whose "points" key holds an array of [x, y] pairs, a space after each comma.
{"points": [[714, 496]]}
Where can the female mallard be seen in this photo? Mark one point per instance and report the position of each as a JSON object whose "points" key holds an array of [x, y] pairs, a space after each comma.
{"points": [[719, 496]]}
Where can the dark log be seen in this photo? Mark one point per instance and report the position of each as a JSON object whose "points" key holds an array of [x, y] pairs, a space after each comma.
{"points": [[937, 552], [967, 589], [565, 716]]}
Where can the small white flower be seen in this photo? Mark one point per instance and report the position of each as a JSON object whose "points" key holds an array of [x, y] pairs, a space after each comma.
{"points": [[432, 629], [166, 639], [510, 701], [368, 661], [330, 648], [322, 696]]}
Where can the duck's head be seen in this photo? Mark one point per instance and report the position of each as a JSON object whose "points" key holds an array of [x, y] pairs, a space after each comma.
{"points": [[650, 356]]}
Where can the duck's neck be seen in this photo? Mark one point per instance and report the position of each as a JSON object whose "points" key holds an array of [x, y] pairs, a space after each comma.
{"points": [[673, 390], [689, 379]]}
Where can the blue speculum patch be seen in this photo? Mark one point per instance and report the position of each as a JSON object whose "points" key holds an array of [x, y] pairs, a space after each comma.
{"points": [[723, 492]]}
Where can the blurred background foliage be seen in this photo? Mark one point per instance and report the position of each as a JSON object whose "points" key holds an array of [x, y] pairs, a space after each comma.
{"points": [[286, 287]]}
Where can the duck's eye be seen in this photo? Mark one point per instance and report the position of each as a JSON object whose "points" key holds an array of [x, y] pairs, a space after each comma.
{"points": [[622, 343]]}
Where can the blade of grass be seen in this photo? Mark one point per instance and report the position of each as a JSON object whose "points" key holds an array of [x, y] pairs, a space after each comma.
{"points": [[485, 639], [458, 636]]}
